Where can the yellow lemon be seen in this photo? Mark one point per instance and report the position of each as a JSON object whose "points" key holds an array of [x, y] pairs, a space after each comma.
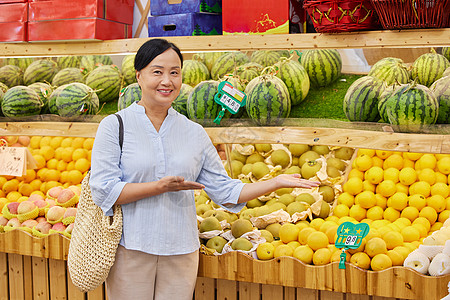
{"points": [[353, 186], [293, 244], [82, 165], [13, 196], [47, 152], [52, 163], [391, 214], [356, 173], [75, 177], [361, 260], [391, 174], [443, 216], [402, 188], [393, 239], [424, 221], [373, 232], [36, 184], [368, 152], [66, 142], [375, 246], [78, 142], [363, 162], [379, 223], [410, 212], [341, 210], [418, 201], [58, 153], [40, 161], [409, 164], [61, 165], [403, 251], [10, 186], [283, 250], [288, 233], [393, 161], [443, 165], [413, 156], [374, 175], [436, 226], [331, 233], [437, 202], [429, 213], [25, 189], [55, 142], [348, 199], [407, 176], [386, 188], [28, 177], [265, 251], [377, 162], [398, 201], [383, 154], [322, 257], [45, 141], [441, 177], [35, 142], [304, 233], [427, 160], [316, 223], [396, 258], [441, 189], [427, 175], [317, 240], [79, 153], [336, 256], [410, 233], [381, 201], [366, 199], [375, 213], [420, 187], [357, 212], [367, 186], [88, 143], [70, 166], [66, 154], [421, 228], [304, 253], [64, 177]]}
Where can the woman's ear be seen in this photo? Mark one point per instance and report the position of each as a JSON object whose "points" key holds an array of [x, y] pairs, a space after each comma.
{"points": [[138, 76]]}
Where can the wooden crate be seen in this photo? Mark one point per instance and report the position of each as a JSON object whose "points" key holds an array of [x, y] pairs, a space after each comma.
{"points": [[35, 268]]}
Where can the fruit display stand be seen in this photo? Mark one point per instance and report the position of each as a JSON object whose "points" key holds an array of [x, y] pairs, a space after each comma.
{"points": [[34, 268]]}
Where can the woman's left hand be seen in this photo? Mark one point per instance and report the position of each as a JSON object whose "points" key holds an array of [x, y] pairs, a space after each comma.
{"points": [[294, 181]]}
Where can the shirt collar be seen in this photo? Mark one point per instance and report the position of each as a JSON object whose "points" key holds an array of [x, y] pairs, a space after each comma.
{"points": [[140, 108]]}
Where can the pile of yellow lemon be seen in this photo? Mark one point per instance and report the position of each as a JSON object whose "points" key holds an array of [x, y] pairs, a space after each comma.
{"points": [[61, 161], [403, 197]]}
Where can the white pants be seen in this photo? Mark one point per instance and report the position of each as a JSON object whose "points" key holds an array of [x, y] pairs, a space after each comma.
{"points": [[137, 275]]}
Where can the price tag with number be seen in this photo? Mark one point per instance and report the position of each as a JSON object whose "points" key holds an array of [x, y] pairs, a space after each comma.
{"points": [[230, 98], [349, 236], [14, 161]]}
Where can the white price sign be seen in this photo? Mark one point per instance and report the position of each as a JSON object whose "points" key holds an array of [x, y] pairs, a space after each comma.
{"points": [[14, 161], [351, 240]]}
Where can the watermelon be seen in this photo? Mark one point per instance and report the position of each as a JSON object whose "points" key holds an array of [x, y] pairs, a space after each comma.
{"points": [[68, 75], [22, 62], [3, 87], [71, 61], [228, 63], [194, 72], [128, 71], [266, 57], [391, 70], [51, 105], [128, 95], [361, 99], [322, 65], [201, 106], [90, 62], [382, 102], [40, 71], [446, 52], [180, 103], [446, 72], [208, 58], [429, 67], [76, 99], [411, 107], [268, 101], [441, 89], [248, 71], [11, 75], [295, 78], [106, 82], [44, 91], [21, 101]]}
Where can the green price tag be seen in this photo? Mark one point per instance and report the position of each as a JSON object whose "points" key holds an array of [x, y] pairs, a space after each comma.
{"points": [[349, 236], [230, 98]]}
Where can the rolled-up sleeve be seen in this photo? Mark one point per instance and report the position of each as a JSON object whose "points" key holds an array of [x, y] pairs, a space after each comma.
{"points": [[218, 185], [106, 176]]}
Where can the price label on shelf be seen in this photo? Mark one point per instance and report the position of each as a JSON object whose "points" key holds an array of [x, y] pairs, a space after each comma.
{"points": [[14, 161], [230, 98]]}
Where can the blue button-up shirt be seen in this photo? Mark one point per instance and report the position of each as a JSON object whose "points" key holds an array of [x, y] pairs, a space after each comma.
{"points": [[165, 224]]}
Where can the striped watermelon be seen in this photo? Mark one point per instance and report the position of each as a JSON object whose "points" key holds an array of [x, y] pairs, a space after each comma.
{"points": [[208, 58], [90, 62], [295, 78], [11, 75], [40, 71], [446, 52], [441, 89], [266, 57], [268, 100], [3, 87], [128, 71], [106, 82], [382, 102], [51, 106], [227, 63], [322, 65], [411, 106], [128, 95], [429, 67], [44, 91], [22, 62], [446, 72], [180, 103], [248, 71], [68, 75], [391, 70], [361, 99], [194, 72], [21, 101], [71, 61], [201, 106], [76, 99]]}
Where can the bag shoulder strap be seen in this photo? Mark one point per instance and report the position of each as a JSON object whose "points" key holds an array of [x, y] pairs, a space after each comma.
{"points": [[119, 118]]}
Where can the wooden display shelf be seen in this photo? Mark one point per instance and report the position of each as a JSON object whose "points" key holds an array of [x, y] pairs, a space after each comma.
{"points": [[285, 272], [354, 138], [361, 39]]}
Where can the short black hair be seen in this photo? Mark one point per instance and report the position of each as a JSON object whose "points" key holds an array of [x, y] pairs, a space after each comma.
{"points": [[151, 49]]}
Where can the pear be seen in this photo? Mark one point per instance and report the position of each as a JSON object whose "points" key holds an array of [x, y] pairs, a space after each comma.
{"points": [[344, 153], [267, 235], [234, 155], [321, 149], [209, 213], [241, 226], [293, 170], [236, 167], [277, 206], [280, 157], [260, 170], [295, 207], [216, 243], [200, 199], [324, 210], [305, 197], [274, 229], [247, 214], [298, 149], [327, 193], [282, 191], [307, 156], [209, 224], [255, 157], [247, 168], [286, 199], [202, 208], [336, 162], [241, 244], [333, 172], [310, 168], [254, 203], [263, 147], [295, 160], [222, 215], [262, 211]]}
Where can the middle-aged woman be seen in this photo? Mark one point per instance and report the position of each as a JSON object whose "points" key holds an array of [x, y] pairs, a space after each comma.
{"points": [[165, 156]]}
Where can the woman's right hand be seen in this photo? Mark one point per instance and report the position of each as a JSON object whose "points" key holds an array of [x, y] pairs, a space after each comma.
{"points": [[177, 183]]}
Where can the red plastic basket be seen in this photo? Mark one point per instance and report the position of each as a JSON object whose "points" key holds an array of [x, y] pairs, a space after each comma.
{"points": [[403, 14], [341, 15]]}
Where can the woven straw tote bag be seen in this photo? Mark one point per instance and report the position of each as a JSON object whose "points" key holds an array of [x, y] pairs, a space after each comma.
{"points": [[95, 238]]}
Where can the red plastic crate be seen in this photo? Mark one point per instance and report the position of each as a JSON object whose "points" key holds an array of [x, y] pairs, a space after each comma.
{"points": [[13, 12], [13, 32]]}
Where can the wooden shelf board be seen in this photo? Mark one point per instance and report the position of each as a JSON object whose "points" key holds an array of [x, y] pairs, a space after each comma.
{"points": [[407, 142], [362, 39]]}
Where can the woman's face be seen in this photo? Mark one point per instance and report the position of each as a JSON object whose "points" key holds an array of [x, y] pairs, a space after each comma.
{"points": [[160, 80]]}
